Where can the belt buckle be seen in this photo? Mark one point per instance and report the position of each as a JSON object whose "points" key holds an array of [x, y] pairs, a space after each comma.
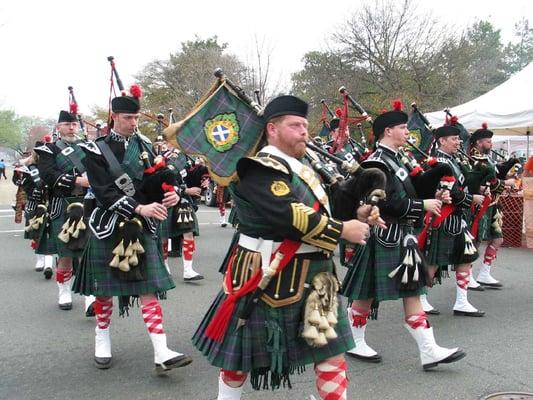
{"points": [[125, 184]]}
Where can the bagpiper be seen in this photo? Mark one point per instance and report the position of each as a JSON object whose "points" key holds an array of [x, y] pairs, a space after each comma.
{"points": [[490, 225], [123, 256], [61, 168], [181, 226], [447, 239], [281, 276], [27, 177]]}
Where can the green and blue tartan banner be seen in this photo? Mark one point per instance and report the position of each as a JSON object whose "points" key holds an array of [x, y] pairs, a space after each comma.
{"points": [[221, 129], [419, 135]]}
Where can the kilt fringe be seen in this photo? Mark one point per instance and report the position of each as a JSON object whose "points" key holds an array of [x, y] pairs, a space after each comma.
{"points": [[374, 308], [127, 302], [264, 379]]}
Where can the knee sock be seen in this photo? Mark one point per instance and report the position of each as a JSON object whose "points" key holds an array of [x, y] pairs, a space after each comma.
{"points": [[490, 255], [152, 314], [418, 320], [103, 308], [233, 379], [63, 275], [188, 249], [359, 316], [462, 279], [331, 381]]}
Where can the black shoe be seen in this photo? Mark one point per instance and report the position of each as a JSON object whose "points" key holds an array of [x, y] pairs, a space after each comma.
{"points": [[194, 278], [48, 272], [176, 362], [469, 313], [102, 362], [371, 359], [65, 306], [40, 269], [459, 354], [480, 288], [223, 225], [496, 285], [433, 311], [90, 311]]}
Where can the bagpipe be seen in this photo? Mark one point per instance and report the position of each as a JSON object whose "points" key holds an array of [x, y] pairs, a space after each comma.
{"points": [[344, 119], [73, 109], [358, 150]]}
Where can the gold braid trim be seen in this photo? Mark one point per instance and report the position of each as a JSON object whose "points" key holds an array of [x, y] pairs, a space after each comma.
{"points": [[300, 216], [325, 234]]}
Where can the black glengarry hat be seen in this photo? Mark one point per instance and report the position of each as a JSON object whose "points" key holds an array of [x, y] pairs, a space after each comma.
{"points": [[128, 104], [482, 133], [285, 105], [446, 130], [65, 116], [389, 119]]}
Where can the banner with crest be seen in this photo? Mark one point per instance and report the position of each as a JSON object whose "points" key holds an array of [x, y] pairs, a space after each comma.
{"points": [[221, 129], [419, 134]]}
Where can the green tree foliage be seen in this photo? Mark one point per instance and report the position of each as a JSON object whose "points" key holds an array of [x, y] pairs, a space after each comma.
{"points": [[180, 81], [520, 54], [389, 50], [11, 130]]}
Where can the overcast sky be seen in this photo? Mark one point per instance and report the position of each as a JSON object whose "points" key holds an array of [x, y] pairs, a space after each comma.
{"points": [[45, 46]]}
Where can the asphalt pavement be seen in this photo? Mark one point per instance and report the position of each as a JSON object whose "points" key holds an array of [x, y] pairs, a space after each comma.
{"points": [[47, 353]]}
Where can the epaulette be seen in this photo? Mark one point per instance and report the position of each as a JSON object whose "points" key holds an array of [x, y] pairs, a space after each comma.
{"points": [[43, 148], [91, 147], [266, 161], [145, 139]]}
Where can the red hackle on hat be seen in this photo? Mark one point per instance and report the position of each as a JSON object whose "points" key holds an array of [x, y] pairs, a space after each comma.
{"points": [[136, 91], [47, 138], [484, 125], [397, 105], [73, 108], [454, 120]]}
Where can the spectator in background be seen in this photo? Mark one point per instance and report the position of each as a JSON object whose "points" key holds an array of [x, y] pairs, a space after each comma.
{"points": [[528, 167], [2, 169]]}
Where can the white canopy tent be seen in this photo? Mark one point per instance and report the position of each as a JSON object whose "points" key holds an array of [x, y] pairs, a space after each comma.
{"points": [[507, 109]]}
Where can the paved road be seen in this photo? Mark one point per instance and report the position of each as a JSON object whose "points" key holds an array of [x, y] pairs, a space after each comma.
{"points": [[47, 353]]}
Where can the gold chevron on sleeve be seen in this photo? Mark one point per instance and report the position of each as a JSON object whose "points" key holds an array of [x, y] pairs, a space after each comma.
{"points": [[325, 234], [300, 216]]}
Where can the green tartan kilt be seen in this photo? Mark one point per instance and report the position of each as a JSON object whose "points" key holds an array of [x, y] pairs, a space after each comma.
{"points": [[171, 229], [440, 247], [47, 240], [49, 243], [269, 346], [446, 249], [368, 270], [95, 276], [486, 231]]}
